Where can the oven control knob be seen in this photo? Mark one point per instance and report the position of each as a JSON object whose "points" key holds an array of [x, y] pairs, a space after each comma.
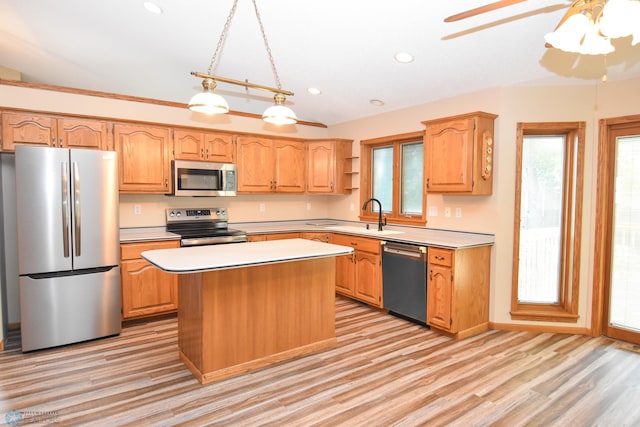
{"points": [[172, 213], [178, 213]]}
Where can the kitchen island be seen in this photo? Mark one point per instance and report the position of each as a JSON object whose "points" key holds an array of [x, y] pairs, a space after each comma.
{"points": [[244, 306]]}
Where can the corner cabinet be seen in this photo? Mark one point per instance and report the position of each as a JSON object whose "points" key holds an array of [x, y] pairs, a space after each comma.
{"points": [[329, 167], [458, 290], [359, 274], [270, 165], [191, 144], [458, 154], [146, 290], [53, 131], [144, 162]]}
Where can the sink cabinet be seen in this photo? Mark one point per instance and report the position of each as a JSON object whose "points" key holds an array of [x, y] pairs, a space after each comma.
{"points": [[146, 290], [359, 275], [458, 154], [458, 290]]}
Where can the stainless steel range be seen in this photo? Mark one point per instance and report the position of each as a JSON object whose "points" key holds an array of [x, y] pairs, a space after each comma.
{"points": [[207, 226]]}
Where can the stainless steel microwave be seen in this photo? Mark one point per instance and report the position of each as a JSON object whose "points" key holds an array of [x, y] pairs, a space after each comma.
{"points": [[203, 178]]}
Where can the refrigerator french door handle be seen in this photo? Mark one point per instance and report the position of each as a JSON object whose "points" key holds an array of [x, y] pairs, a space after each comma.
{"points": [[77, 216], [64, 180]]}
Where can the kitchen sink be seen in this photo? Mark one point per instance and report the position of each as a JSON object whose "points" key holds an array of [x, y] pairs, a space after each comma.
{"points": [[362, 230]]}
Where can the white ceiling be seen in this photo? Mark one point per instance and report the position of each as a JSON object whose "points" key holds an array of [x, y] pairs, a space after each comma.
{"points": [[344, 47]]}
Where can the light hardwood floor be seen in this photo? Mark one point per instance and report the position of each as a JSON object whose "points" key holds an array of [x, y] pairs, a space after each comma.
{"points": [[384, 371]]}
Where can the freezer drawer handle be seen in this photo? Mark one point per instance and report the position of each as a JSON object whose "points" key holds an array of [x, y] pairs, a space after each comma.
{"points": [[64, 180], [76, 189]]}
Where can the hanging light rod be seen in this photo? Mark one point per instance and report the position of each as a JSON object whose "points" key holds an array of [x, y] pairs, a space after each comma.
{"points": [[241, 83]]}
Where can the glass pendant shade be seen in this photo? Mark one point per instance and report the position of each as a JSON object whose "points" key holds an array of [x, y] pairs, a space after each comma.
{"points": [[568, 36], [620, 18], [207, 101], [279, 114], [595, 44]]}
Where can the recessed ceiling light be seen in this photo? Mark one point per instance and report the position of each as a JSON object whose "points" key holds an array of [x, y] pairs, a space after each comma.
{"points": [[404, 57], [377, 102], [314, 91], [152, 7]]}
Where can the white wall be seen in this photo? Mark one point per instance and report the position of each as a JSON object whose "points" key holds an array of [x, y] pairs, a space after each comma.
{"points": [[495, 214]]}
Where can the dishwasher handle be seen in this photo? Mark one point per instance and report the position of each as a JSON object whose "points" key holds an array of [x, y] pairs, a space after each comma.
{"points": [[410, 251]]}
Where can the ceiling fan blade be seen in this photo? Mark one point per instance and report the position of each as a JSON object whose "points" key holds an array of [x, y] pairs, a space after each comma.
{"points": [[482, 9]]}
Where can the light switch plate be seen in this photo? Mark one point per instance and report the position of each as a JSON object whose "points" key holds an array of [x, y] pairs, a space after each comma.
{"points": [[433, 211]]}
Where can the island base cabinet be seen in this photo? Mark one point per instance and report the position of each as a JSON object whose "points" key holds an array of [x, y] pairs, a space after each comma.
{"points": [[458, 291], [236, 320]]}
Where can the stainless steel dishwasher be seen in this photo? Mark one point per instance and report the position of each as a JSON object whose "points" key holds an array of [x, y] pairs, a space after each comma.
{"points": [[404, 280]]}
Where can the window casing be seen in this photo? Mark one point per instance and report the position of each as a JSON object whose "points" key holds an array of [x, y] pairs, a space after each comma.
{"points": [[547, 225], [392, 171]]}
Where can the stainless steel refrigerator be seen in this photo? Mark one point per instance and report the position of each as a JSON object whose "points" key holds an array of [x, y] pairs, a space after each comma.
{"points": [[68, 245]]}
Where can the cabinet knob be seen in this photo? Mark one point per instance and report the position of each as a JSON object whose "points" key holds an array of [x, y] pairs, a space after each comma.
{"points": [[427, 182]]}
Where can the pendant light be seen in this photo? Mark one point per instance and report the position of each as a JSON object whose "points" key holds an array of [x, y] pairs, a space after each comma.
{"points": [[209, 102]]}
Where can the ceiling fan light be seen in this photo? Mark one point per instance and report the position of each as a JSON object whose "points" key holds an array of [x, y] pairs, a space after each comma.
{"points": [[619, 18], [279, 114], [595, 44], [568, 36], [207, 101]]}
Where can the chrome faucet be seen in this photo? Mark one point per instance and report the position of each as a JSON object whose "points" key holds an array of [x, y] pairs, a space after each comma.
{"points": [[364, 208]]}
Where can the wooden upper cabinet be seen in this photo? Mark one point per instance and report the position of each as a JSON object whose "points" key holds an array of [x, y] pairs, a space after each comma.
{"points": [[289, 167], [329, 168], [255, 165], [268, 166], [51, 131], [458, 154], [79, 133], [203, 146], [144, 162]]}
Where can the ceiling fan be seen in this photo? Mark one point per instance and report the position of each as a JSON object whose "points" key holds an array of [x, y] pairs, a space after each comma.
{"points": [[586, 27]]}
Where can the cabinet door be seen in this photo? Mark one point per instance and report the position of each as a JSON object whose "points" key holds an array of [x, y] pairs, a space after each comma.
{"points": [[27, 129], [255, 165], [318, 237], [218, 148], [440, 297], [187, 145], [290, 167], [321, 162], [345, 275], [143, 158], [368, 284], [282, 236], [449, 156], [80, 133], [147, 290]]}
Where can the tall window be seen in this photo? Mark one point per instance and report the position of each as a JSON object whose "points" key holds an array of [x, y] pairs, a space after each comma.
{"points": [[549, 173], [393, 172]]}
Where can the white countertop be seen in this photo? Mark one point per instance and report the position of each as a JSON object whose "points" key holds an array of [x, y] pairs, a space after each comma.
{"points": [[142, 234], [216, 257]]}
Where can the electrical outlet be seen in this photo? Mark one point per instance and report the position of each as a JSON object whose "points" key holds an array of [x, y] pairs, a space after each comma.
{"points": [[447, 212], [262, 207], [308, 206], [458, 212], [137, 209], [352, 207]]}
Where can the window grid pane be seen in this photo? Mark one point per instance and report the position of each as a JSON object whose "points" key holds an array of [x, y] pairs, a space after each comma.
{"points": [[382, 176], [411, 180], [625, 269], [541, 219]]}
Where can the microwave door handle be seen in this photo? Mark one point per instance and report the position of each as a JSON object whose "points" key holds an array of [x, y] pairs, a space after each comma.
{"points": [[64, 181], [77, 212]]}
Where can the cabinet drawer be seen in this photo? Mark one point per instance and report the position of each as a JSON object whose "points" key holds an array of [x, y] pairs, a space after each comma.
{"points": [[133, 250], [359, 243], [440, 256]]}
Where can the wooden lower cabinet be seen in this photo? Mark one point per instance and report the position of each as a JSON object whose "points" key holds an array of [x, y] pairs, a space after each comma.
{"points": [[458, 290], [359, 275], [317, 236], [146, 290]]}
